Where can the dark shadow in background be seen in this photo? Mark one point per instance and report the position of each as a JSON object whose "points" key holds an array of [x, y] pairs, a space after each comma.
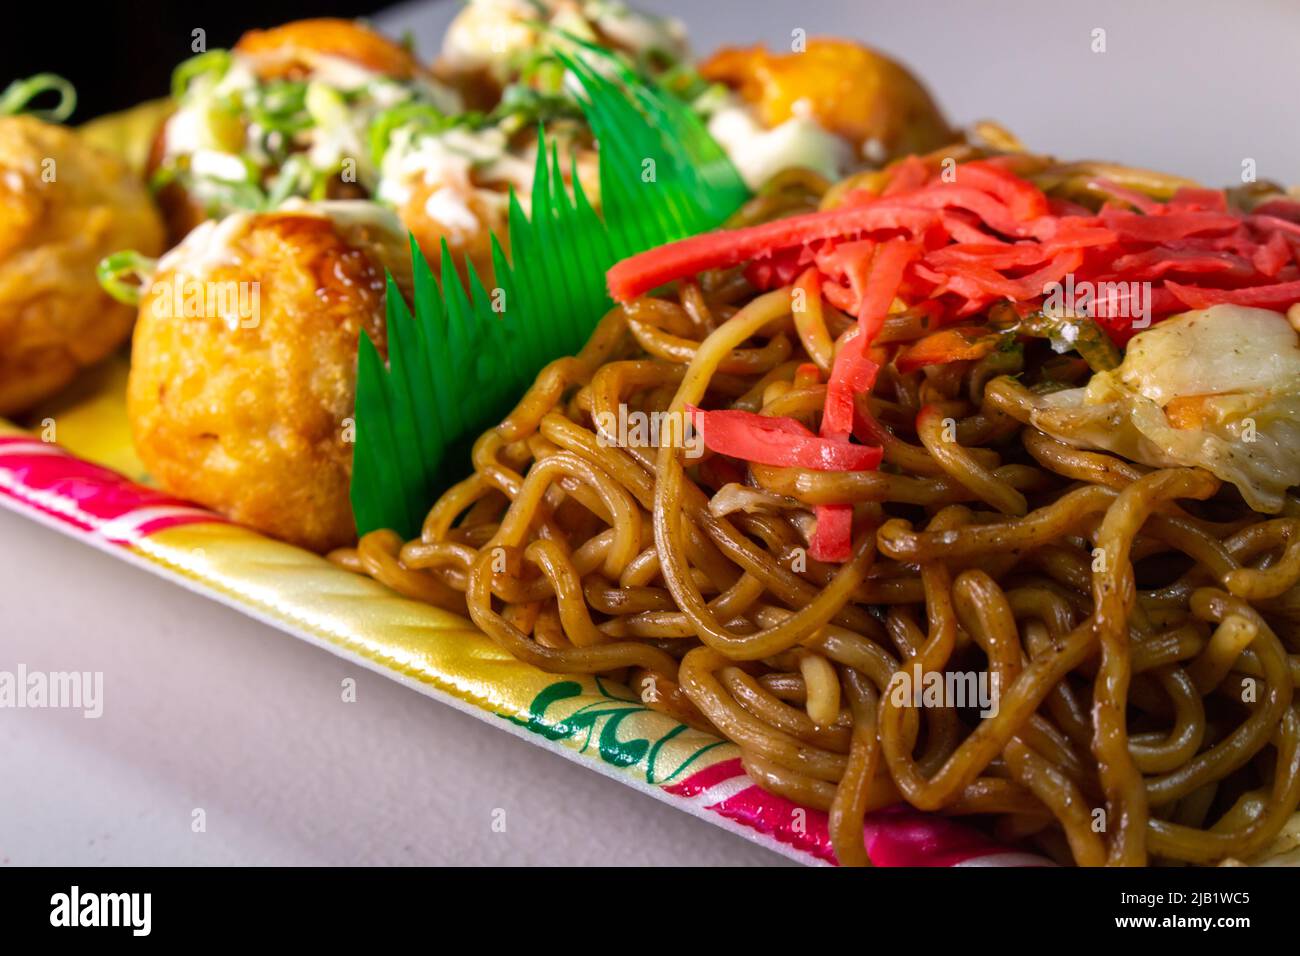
{"points": [[118, 54]]}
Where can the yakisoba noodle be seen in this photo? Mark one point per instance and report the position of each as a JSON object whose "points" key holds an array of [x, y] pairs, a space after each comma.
{"points": [[984, 545]]}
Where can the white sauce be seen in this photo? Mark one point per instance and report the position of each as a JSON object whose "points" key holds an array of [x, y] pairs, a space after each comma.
{"points": [[348, 212], [217, 165], [637, 31], [454, 165], [449, 209], [487, 33], [760, 153], [208, 246]]}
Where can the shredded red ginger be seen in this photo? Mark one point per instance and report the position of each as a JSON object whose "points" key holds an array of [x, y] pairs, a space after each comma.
{"points": [[962, 242]]}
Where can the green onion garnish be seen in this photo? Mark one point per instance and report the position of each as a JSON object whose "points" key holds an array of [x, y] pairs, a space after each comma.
{"points": [[116, 272], [226, 194], [422, 117], [288, 181], [213, 62], [19, 94], [281, 107]]}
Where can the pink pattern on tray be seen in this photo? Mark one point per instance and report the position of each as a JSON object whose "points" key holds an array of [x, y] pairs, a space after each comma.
{"points": [[88, 497], [897, 836]]}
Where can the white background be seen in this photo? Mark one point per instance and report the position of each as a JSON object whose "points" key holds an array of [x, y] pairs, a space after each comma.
{"points": [[207, 709]]}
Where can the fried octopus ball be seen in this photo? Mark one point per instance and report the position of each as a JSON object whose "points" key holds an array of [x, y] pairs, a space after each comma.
{"points": [[457, 188], [869, 99], [243, 369], [295, 49], [64, 205], [299, 50]]}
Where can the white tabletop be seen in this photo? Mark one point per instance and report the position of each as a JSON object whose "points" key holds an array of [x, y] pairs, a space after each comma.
{"points": [[206, 709]]}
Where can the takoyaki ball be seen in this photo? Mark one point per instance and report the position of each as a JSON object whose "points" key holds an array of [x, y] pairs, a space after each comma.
{"points": [[302, 48], [243, 370], [871, 101], [454, 186], [304, 93], [492, 43], [64, 205]]}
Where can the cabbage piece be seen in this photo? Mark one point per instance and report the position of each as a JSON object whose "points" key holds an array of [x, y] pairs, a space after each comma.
{"points": [[1217, 388]]}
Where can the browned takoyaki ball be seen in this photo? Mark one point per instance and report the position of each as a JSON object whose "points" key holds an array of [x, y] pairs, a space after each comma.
{"points": [[243, 370], [872, 101], [295, 51], [292, 50], [64, 205]]}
